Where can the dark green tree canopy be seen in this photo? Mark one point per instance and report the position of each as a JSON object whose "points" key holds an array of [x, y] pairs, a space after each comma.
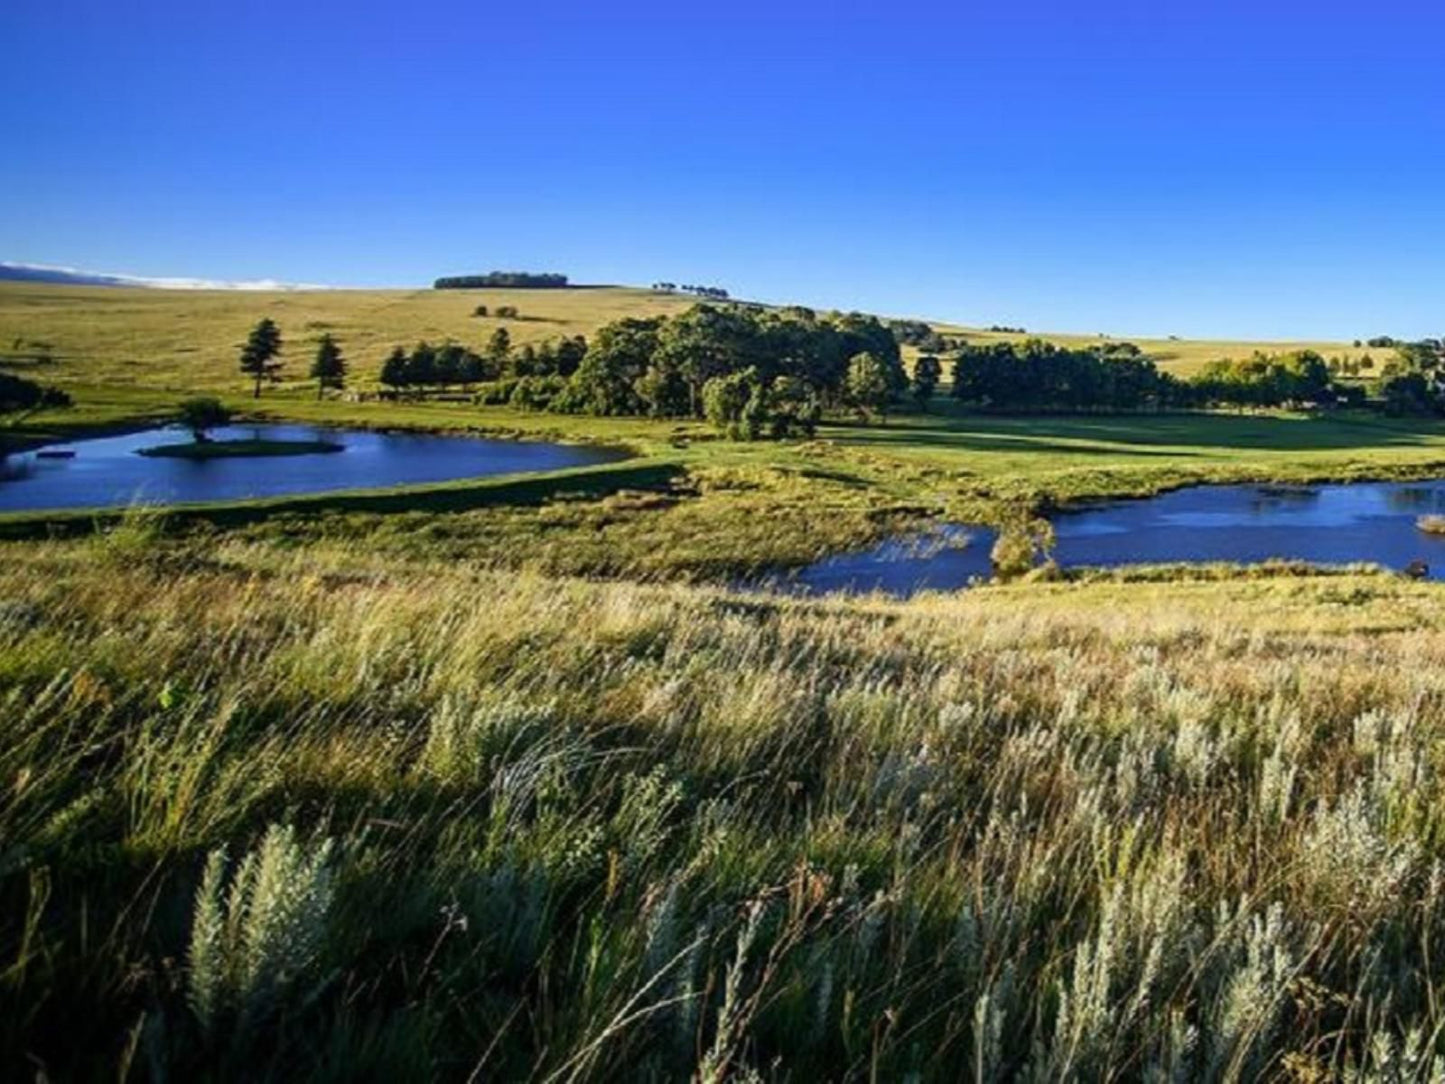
{"points": [[202, 413], [258, 356], [328, 368]]}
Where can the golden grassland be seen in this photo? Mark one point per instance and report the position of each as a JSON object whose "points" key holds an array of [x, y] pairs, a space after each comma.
{"points": [[470, 782], [303, 812], [185, 340]]}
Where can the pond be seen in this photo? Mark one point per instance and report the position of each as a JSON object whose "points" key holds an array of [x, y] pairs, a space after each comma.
{"points": [[110, 471], [1326, 524]]}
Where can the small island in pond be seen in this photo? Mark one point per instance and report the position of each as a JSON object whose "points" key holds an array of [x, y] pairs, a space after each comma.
{"points": [[204, 413], [229, 449]]}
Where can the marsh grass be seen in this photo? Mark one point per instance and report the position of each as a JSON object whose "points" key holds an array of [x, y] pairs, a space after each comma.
{"points": [[280, 814]]}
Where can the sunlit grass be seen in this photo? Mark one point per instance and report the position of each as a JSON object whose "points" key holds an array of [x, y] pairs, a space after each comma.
{"points": [[281, 813]]}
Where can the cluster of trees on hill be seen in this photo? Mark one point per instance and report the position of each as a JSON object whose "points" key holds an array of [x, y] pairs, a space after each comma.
{"points": [[1038, 374], [751, 370], [713, 293], [18, 393], [451, 364], [441, 367], [1270, 380], [1413, 381], [924, 337], [526, 280]]}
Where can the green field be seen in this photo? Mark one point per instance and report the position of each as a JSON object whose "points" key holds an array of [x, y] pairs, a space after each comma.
{"points": [[501, 779]]}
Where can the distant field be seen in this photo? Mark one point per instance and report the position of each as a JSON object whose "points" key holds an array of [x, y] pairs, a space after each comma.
{"points": [[183, 340], [1179, 356]]}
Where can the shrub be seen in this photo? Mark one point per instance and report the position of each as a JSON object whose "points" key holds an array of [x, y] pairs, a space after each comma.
{"points": [[261, 936]]}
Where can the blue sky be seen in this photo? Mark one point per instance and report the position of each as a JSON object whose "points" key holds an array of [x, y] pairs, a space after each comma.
{"points": [[1219, 169]]}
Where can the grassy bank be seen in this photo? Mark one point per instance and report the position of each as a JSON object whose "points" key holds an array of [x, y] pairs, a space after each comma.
{"points": [[692, 505], [495, 826]]}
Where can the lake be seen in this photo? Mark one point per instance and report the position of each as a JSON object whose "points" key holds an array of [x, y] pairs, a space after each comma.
{"points": [[109, 471], [1325, 524]]}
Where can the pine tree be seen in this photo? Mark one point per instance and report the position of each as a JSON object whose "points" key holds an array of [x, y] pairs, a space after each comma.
{"points": [[329, 368], [258, 356]]}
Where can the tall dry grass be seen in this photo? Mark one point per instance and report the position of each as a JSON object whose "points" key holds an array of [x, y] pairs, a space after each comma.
{"points": [[270, 815]]}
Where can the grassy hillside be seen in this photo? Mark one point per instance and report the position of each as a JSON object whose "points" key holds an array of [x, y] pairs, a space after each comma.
{"points": [[175, 340], [1179, 356], [184, 340], [303, 813], [468, 782]]}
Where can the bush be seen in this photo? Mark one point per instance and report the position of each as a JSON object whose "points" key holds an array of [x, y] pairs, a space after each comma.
{"points": [[535, 392], [201, 413], [17, 393], [497, 393], [1022, 545]]}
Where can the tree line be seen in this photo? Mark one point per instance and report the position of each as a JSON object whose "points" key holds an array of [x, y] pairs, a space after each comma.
{"points": [[712, 293], [525, 280], [752, 370]]}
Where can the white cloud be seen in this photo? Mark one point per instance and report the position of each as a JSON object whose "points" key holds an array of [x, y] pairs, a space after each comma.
{"points": [[106, 279]]}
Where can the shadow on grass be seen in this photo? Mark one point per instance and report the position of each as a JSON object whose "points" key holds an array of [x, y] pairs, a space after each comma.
{"points": [[951, 426], [584, 484]]}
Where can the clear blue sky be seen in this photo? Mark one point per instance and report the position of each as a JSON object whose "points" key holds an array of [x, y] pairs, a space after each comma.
{"points": [[1211, 168]]}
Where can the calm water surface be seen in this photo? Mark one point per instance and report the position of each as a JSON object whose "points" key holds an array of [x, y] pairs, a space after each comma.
{"points": [[107, 471], [1330, 524]]}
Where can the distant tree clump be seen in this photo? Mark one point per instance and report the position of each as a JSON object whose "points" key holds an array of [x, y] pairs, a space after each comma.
{"points": [[753, 371], [517, 280], [1004, 329], [17, 393], [480, 310], [427, 366], [506, 312], [1037, 375], [258, 356], [328, 368], [1266, 380], [1381, 342], [201, 414], [712, 293]]}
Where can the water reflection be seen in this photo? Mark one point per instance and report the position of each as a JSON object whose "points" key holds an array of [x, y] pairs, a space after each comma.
{"points": [[1326, 524], [107, 471]]}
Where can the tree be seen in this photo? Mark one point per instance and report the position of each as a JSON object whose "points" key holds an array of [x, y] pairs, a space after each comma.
{"points": [[792, 407], [202, 413], [499, 348], [258, 356], [329, 368], [867, 384], [394, 370], [925, 379], [421, 367], [735, 404]]}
